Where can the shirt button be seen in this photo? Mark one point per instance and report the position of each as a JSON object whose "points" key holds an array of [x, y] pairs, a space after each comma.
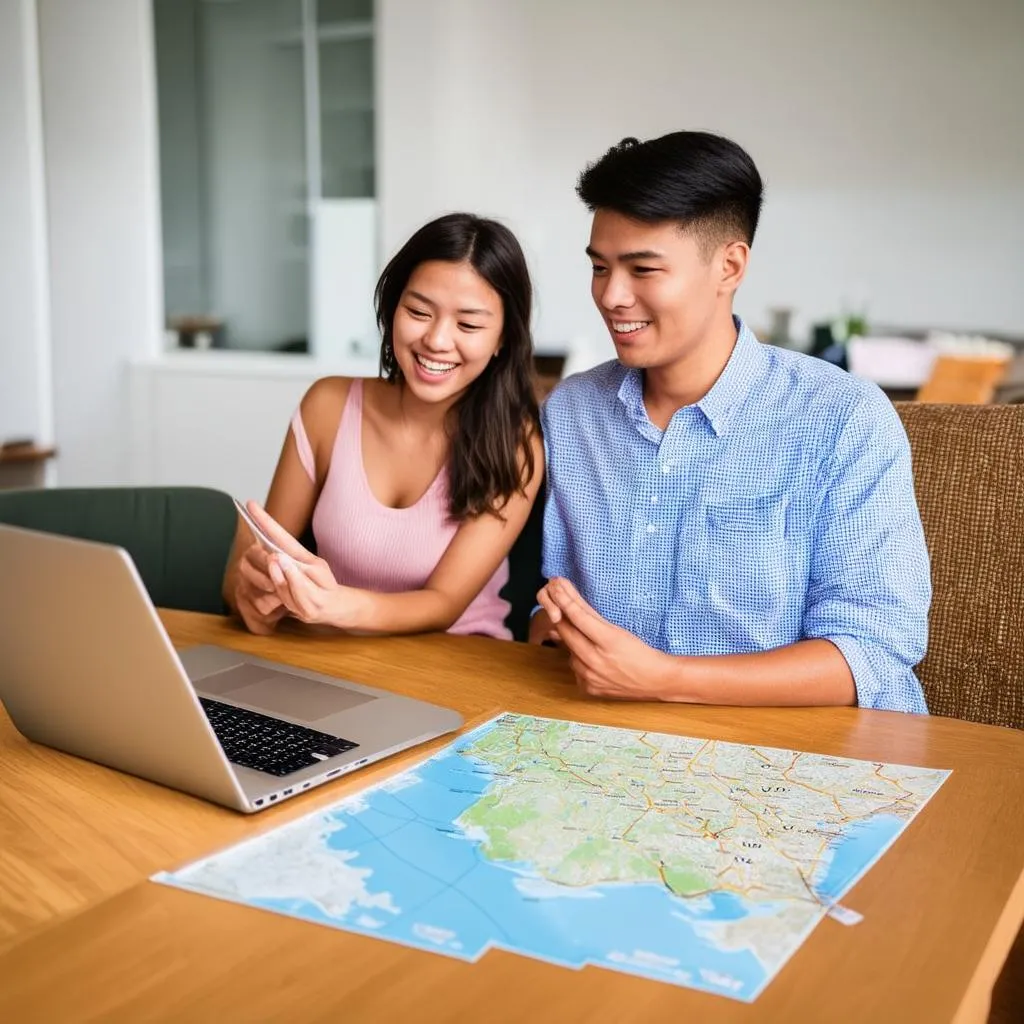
{"points": [[654, 499], [666, 468], [651, 528]]}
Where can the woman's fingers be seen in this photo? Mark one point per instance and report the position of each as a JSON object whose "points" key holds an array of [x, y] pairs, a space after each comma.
{"points": [[277, 533], [255, 577]]}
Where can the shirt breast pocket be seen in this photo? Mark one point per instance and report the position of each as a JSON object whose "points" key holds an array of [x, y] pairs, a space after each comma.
{"points": [[749, 517], [755, 557]]}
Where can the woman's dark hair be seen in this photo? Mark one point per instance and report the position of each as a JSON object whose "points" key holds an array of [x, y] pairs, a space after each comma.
{"points": [[704, 182], [491, 456]]}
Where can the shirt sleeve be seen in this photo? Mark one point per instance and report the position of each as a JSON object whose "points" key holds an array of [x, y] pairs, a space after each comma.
{"points": [[554, 555], [870, 581], [553, 531], [303, 446]]}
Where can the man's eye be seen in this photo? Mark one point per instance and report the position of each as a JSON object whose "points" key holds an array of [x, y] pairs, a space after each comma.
{"points": [[644, 270], [598, 270]]}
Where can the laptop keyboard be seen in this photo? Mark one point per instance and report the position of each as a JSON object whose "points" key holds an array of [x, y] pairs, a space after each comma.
{"points": [[269, 744]]}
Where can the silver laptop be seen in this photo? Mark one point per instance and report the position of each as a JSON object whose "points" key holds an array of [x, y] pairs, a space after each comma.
{"points": [[87, 667]]}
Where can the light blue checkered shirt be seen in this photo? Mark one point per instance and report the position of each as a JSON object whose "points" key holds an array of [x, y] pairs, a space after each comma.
{"points": [[780, 507]]}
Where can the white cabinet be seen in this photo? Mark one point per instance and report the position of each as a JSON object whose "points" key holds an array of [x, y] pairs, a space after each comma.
{"points": [[218, 419]]}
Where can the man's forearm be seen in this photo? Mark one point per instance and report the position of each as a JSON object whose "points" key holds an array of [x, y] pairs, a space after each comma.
{"points": [[807, 673]]}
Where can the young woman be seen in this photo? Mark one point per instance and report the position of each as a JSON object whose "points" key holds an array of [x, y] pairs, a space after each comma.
{"points": [[417, 483]]}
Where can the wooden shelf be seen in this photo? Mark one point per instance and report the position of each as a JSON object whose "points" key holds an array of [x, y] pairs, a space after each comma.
{"points": [[27, 453]]}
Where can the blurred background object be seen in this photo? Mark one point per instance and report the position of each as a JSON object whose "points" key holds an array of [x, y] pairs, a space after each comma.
{"points": [[200, 332], [254, 162], [967, 370], [23, 462], [941, 367], [781, 323], [892, 363]]}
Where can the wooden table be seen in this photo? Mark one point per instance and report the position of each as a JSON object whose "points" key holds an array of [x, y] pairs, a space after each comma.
{"points": [[84, 936]]}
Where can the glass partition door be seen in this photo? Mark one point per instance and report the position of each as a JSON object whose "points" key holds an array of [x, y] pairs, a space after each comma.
{"points": [[266, 112]]}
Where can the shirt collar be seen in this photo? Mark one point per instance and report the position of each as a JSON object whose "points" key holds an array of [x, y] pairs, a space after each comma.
{"points": [[726, 395], [735, 382], [631, 395]]}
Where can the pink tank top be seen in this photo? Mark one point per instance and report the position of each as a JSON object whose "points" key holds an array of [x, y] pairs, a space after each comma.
{"points": [[374, 547]]}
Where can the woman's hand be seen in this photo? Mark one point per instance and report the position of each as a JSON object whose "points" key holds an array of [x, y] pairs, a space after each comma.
{"points": [[303, 583], [256, 598]]}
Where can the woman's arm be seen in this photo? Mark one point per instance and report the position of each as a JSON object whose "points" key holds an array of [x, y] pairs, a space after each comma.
{"points": [[294, 490], [471, 559]]}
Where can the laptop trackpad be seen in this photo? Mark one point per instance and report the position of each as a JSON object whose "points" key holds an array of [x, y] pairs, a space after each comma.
{"points": [[280, 693]]}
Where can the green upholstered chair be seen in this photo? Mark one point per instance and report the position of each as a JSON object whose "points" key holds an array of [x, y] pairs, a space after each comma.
{"points": [[524, 576], [178, 537]]}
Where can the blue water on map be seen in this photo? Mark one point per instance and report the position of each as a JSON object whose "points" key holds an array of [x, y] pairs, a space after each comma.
{"points": [[453, 899], [862, 844]]}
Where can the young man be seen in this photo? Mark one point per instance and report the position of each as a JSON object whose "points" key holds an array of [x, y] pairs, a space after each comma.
{"points": [[726, 522]]}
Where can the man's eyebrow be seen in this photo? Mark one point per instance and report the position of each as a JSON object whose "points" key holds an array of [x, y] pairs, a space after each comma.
{"points": [[430, 302], [628, 257]]}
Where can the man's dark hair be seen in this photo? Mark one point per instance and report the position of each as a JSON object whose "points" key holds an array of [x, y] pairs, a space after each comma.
{"points": [[707, 184]]}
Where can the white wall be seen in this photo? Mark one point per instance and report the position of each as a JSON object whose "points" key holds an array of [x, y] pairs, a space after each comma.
{"points": [[25, 384], [891, 138], [102, 192], [454, 132]]}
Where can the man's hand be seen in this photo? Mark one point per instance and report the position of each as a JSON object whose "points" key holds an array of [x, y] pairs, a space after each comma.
{"points": [[607, 661], [541, 629]]}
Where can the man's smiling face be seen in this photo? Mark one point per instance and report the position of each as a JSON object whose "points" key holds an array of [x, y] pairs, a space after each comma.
{"points": [[656, 286]]}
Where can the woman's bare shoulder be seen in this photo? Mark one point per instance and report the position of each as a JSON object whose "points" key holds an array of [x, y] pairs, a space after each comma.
{"points": [[322, 406]]}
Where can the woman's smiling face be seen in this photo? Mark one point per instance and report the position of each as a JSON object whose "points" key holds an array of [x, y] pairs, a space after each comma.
{"points": [[446, 330]]}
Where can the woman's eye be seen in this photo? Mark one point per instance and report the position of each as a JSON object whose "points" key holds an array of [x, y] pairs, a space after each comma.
{"points": [[420, 314], [470, 327]]}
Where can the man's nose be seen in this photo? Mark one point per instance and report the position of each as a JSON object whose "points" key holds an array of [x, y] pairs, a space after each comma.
{"points": [[616, 293]]}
